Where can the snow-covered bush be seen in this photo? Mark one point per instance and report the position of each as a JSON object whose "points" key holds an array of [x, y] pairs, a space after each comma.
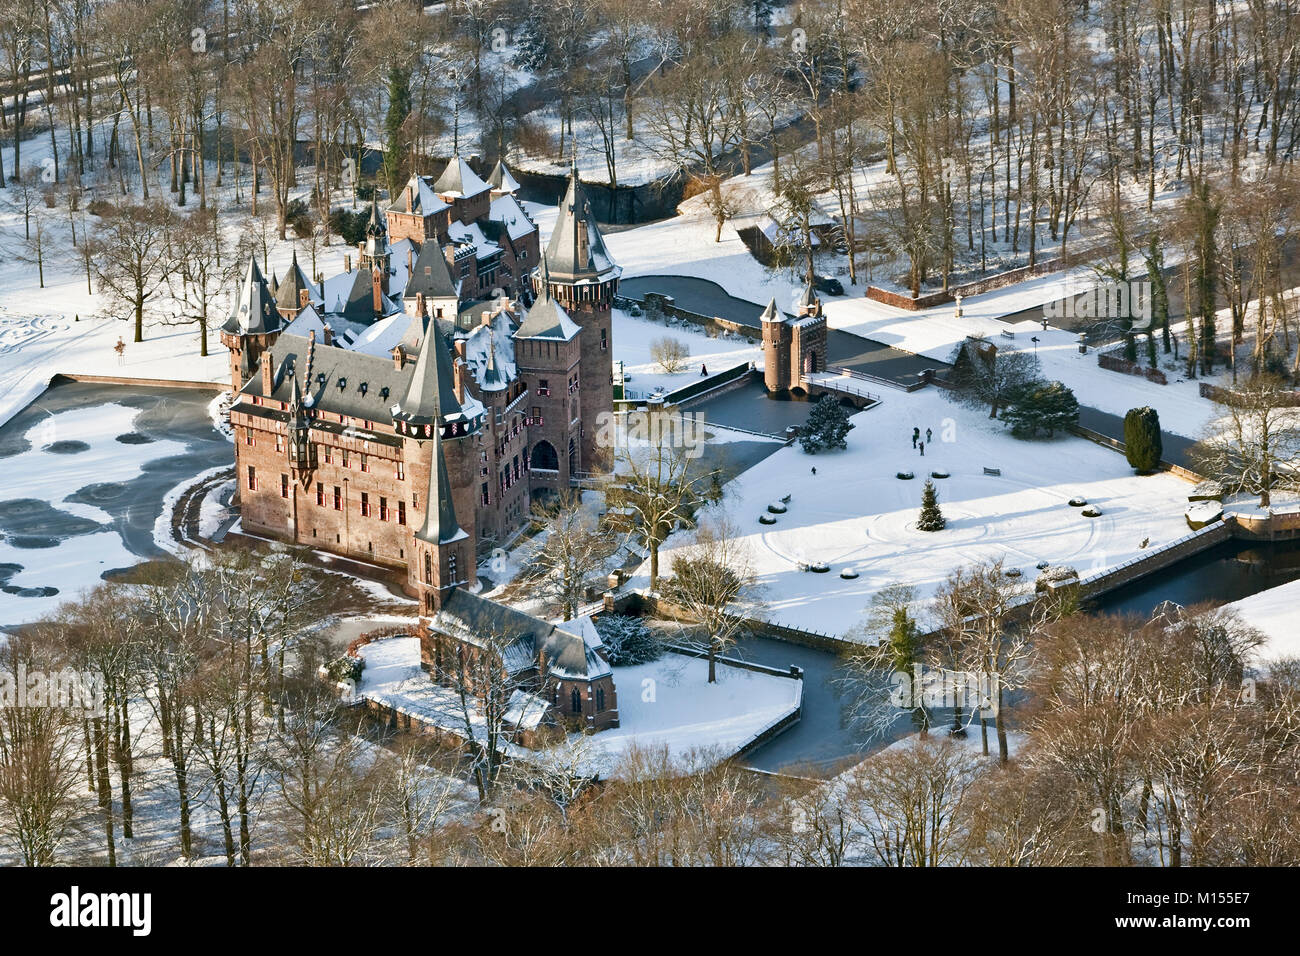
{"points": [[628, 640], [1054, 576], [345, 668]]}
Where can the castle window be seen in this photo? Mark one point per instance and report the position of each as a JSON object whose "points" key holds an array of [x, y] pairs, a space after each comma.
{"points": [[329, 455], [575, 701], [284, 486], [483, 494], [543, 388], [320, 495], [248, 437], [604, 340], [600, 698], [365, 505], [401, 512], [279, 443], [252, 478], [365, 464], [338, 498], [428, 568], [383, 509], [451, 567], [415, 500], [401, 471], [345, 457]]}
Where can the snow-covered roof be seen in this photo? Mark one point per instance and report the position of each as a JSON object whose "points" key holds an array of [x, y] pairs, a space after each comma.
{"points": [[547, 320], [459, 181], [473, 235], [500, 178], [507, 211], [418, 197], [576, 250], [305, 322], [490, 354]]}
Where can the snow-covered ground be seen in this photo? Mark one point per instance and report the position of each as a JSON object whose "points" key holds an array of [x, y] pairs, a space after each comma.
{"points": [[668, 703], [855, 514], [1275, 612], [633, 337]]}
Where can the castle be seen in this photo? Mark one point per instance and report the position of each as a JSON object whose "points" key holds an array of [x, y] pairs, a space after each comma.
{"points": [[793, 346], [393, 414]]}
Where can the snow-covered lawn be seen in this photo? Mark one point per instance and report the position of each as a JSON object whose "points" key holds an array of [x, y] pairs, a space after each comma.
{"points": [[668, 703], [1275, 613], [70, 451], [856, 514], [633, 337]]}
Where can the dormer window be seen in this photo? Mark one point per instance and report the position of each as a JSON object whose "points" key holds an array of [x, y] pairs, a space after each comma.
{"points": [[343, 383]]}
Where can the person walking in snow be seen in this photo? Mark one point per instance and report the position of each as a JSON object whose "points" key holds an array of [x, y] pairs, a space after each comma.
{"points": [[916, 434], [922, 449], [927, 436], [814, 470], [704, 370]]}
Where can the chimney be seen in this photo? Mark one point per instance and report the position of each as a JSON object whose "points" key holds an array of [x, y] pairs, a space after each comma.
{"points": [[329, 335], [377, 290], [410, 262], [487, 317], [347, 264], [419, 304], [268, 373], [459, 345], [410, 198], [458, 373]]}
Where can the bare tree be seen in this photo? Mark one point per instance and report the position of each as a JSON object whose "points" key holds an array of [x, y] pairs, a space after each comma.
{"points": [[670, 353], [714, 582], [133, 258], [1254, 445], [574, 551]]}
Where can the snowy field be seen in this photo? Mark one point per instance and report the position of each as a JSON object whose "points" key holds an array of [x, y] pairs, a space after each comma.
{"points": [[855, 514], [1276, 612], [668, 703]]}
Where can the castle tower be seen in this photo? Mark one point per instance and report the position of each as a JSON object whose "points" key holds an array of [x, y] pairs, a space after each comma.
{"points": [[437, 447], [808, 336], [776, 348], [376, 254], [252, 327], [551, 354], [583, 278]]}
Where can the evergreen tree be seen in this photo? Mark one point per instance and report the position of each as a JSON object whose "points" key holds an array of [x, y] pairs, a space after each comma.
{"points": [[1049, 406], [1205, 218], [1151, 350], [395, 134], [828, 426], [1142, 444], [1159, 293], [932, 518]]}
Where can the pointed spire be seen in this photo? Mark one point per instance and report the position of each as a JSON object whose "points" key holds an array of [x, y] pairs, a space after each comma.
{"points": [[576, 249], [440, 525], [254, 312], [772, 313], [809, 303], [375, 227], [430, 398]]}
